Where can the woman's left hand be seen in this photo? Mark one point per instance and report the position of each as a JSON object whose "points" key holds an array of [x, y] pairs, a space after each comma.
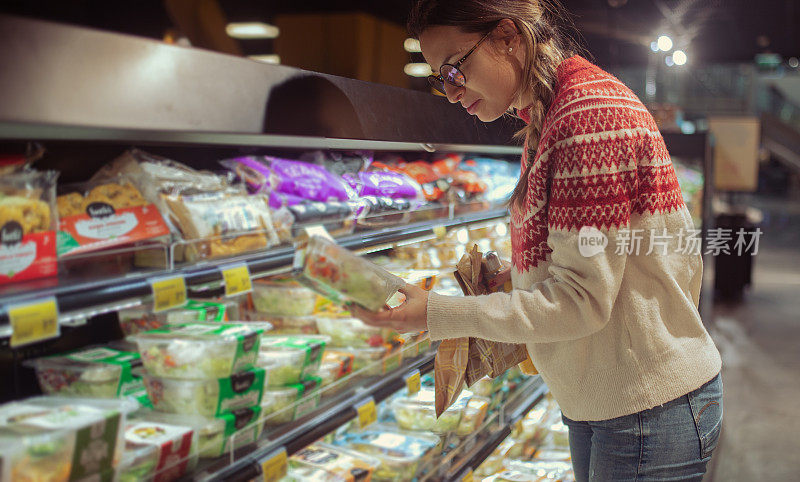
{"points": [[410, 317]]}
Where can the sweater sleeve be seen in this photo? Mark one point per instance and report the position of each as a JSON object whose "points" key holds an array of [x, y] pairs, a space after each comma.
{"points": [[589, 209]]}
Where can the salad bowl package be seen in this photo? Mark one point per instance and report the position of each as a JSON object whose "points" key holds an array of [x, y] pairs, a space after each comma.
{"points": [[138, 319], [291, 357], [346, 464], [401, 453], [474, 414], [352, 332], [284, 298], [169, 450], [278, 404], [366, 361], [199, 350], [417, 412], [207, 396], [58, 438], [340, 275], [138, 463], [94, 372]]}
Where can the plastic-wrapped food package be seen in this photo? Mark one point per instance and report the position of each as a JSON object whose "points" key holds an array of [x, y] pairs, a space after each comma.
{"points": [[337, 364], [199, 350], [342, 276], [346, 464], [299, 472], [544, 470], [417, 412], [375, 212], [283, 298], [138, 463], [291, 357], [104, 214], [93, 372], [337, 217], [289, 325], [207, 397], [308, 181], [473, 416], [401, 453], [366, 361], [28, 220], [384, 183], [167, 450], [278, 405], [139, 319], [352, 332], [60, 439]]}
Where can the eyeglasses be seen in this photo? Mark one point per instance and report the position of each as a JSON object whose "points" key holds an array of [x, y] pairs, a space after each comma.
{"points": [[451, 73]]}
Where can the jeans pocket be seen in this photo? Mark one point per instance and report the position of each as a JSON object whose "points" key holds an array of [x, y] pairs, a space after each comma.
{"points": [[706, 406]]}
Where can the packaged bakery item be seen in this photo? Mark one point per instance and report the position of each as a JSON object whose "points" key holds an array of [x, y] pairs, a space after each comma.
{"points": [[139, 319], [92, 372], [290, 402], [283, 298], [340, 275], [401, 453], [291, 357], [105, 214], [157, 450], [57, 438], [199, 350], [28, 221], [206, 396], [350, 466], [417, 412]]}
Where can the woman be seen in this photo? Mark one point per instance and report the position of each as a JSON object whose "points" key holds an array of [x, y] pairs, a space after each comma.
{"points": [[605, 290]]}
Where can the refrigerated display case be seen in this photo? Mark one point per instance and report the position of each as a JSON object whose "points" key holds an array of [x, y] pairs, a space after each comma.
{"points": [[88, 96]]}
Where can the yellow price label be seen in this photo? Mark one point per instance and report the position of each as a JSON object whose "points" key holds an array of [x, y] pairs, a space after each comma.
{"points": [[413, 382], [440, 231], [169, 292], [32, 322], [468, 477], [275, 466], [237, 280], [367, 414]]}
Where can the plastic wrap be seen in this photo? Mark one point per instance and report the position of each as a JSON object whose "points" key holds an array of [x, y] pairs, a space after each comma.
{"points": [[284, 298], [292, 357], [352, 332]]}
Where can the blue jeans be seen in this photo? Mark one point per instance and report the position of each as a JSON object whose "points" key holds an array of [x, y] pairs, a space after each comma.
{"points": [[673, 441]]}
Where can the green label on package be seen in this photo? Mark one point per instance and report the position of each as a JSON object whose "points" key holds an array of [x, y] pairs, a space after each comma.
{"points": [[94, 448], [247, 338], [241, 390], [313, 347], [124, 359], [206, 310], [240, 427]]}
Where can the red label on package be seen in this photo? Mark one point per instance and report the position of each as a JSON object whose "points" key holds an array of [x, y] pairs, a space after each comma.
{"points": [[102, 226], [27, 256], [173, 444]]}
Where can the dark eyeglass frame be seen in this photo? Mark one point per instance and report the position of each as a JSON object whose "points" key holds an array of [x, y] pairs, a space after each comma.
{"points": [[455, 76]]}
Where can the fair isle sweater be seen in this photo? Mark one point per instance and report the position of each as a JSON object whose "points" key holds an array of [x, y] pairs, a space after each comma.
{"points": [[615, 330]]}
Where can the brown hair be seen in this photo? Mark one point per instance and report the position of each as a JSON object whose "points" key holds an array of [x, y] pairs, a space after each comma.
{"points": [[545, 48]]}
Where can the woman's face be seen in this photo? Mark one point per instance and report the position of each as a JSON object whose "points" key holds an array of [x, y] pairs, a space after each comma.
{"points": [[492, 73]]}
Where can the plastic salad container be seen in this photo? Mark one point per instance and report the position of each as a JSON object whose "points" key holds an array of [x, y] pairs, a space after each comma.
{"points": [[206, 396], [292, 325], [216, 435], [139, 462], [352, 332], [291, 357], [169, 450], [417, 412], [543, 469], [473, 416], [137, 320], [329, 372], [60, 438], [199, 350], [341, 276], [284, 298], [94, 372], [366, 361], [278, 404], [401, 454], [350, 465], [300, 472]]}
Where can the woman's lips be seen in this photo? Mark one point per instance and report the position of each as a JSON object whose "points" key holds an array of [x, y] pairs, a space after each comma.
{"points": [[471, 108]]}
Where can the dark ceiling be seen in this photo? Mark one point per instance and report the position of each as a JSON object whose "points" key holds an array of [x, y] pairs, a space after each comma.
{"points": [[615, 32]]}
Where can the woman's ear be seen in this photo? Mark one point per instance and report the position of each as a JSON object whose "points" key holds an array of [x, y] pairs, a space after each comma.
{"points": [[506, 35]]}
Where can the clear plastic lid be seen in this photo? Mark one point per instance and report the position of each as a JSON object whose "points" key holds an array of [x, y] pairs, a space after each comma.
{"points": [[417, 412], [290, 325], [199, 350], [342, 276], [338, 460], [352, 332], [388, 443], [207, 397], [286, 298]]}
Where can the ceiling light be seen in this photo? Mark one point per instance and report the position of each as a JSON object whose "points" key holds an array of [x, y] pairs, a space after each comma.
{"points": [[417, 69], [679, 56], [664, 43], [794, 63], [669, 61], [654, 46], [411, 45], [248, 30], [267, 59]]}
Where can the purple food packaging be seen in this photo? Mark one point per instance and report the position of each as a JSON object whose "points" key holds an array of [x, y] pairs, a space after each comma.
{"points": [[384, 184], [257, 177], [308, 181]]}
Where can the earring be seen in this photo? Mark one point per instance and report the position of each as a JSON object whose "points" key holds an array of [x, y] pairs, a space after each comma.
{"points": [[509, 50]]}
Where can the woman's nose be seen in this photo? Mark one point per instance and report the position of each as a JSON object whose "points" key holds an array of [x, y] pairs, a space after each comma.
{"points": [[454, 94]]}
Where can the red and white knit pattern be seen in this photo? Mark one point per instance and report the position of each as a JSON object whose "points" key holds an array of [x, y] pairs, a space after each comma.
{"points": [[600, 158]]}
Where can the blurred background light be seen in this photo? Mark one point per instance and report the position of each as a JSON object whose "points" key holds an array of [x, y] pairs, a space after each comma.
{"points": [[679, 57], [411, 45], [664, 43], [417, 69], [267, 59], [251, 30]]}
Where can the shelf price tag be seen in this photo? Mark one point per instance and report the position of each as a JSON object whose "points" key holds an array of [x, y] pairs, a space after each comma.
{"points": [[237, 279], [367, 414], [34, 321], [467, 477], [274, 466], [413, 382], [168, 292], [440, 231]]}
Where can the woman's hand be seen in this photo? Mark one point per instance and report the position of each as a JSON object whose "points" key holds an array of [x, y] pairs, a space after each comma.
{"points": [[410, 317]]}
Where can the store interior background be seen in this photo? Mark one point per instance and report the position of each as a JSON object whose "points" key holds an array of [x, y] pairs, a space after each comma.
{"points": [[698, 65]]}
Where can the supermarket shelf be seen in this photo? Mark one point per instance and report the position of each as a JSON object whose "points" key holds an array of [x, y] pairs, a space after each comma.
{"points": [[319, 424], [78, 299], [485, 447]]}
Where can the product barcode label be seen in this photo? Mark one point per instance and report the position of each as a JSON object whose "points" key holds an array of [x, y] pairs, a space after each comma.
{"points": [[274, 466], [168, 292], [237, 279], [367, 414], [34, 321]]}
